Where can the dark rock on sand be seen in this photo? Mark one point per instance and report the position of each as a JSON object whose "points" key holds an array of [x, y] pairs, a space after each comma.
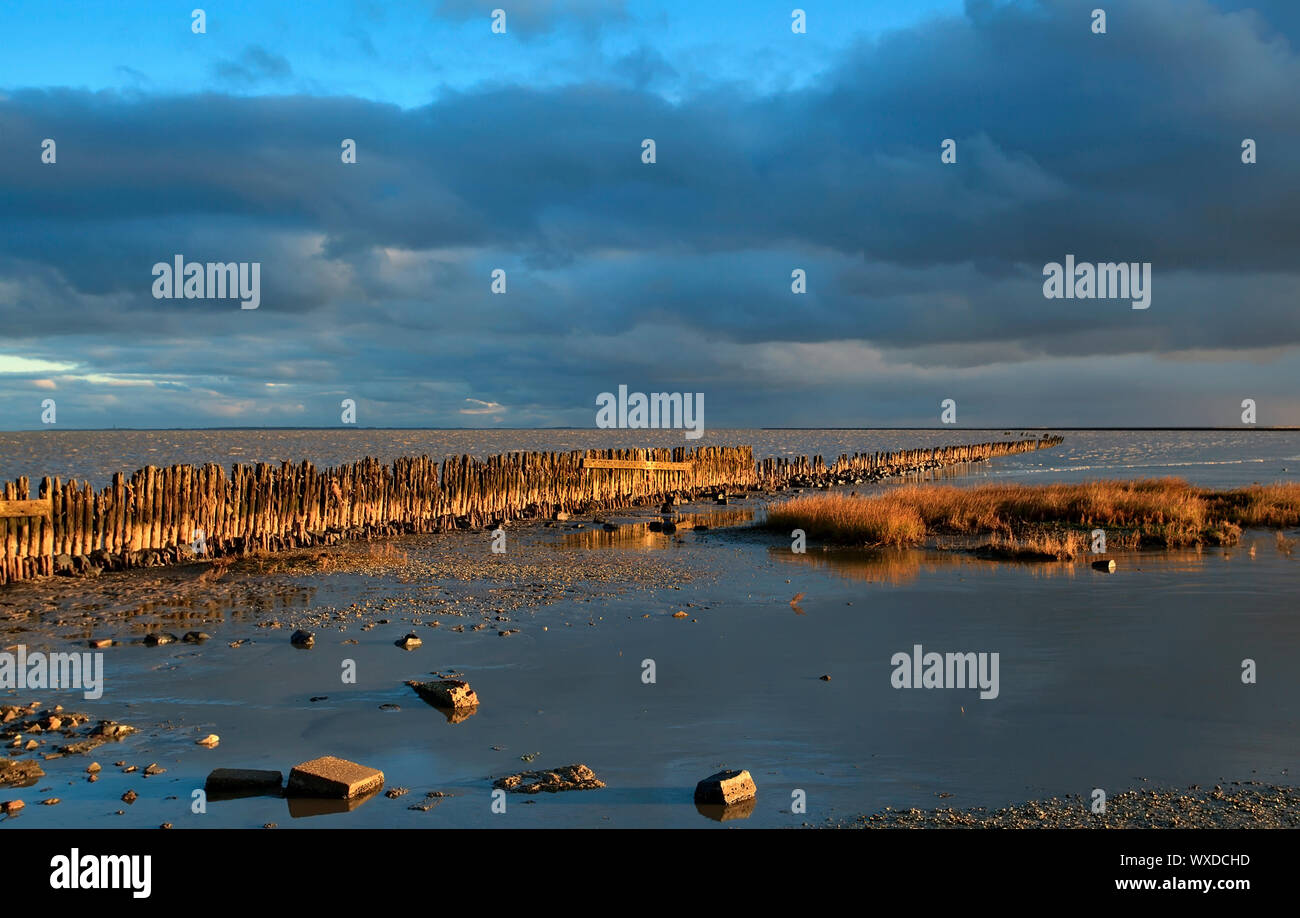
{"points": [[569, 777], [159, 637], [410, 642], [302, 638], [195, 637], [242, 780]]}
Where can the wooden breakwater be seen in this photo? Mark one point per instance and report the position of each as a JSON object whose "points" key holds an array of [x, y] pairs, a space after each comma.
{"points": [[164, 515]]}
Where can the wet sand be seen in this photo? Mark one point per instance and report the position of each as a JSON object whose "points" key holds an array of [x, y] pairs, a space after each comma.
{"points": [[1106, 679]]}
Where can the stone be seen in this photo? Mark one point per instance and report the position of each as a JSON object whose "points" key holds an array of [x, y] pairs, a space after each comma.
{"points": [[130, 796], [153, 769], [302, 638], [726, 788], [568, 777], [112, 729], [101, 642], [332, 777], [210, 740], [410, 642], [158, 638], [9, 807], [195, 637], [446, 693], [1106, 567], [19, 774], [242, 780]]}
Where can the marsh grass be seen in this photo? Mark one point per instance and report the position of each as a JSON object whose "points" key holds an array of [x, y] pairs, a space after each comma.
{"points": [[1047, 520]]}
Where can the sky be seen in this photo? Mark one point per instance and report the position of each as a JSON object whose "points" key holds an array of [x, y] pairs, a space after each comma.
{"points": [[775, 151]]}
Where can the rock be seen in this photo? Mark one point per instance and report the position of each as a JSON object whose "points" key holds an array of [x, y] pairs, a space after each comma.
{"points": [[158, 638], [332, 777], [609, 527], [302, 638], [720, 499], [195, 637], [395, 792], [51, 801], [101, 642], [165, 825], [242, 780], [210, 740], [655, 526], [669, 527], [569, 777], [130, 796], [19, 774], [112, 729], [726, 788], [9, 807], [446, 693], [63, 565], [561, 516], [153, 769], [1106, 567], [410, 642], [93, 767], [679, 615], [825, 678]]}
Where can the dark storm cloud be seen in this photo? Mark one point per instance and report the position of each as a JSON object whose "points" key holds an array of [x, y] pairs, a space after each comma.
{"points": [[1118, 147]]}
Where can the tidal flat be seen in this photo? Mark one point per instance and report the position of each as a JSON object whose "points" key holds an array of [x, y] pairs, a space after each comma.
{"points": [[1118, 681]]}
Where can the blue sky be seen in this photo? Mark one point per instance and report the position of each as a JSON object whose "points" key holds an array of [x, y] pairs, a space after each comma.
{"points": [[776, 151]]}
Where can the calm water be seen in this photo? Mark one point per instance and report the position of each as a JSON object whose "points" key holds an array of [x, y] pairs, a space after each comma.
{"points": [[1211, 458]]}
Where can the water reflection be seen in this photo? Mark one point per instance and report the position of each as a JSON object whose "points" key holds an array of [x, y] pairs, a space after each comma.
{"points": [[641, 535], [720, 812], [898, 567], [306, 807]]}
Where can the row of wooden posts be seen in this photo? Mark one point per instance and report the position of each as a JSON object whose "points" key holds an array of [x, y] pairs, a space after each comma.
{"points": [[163, 515]]}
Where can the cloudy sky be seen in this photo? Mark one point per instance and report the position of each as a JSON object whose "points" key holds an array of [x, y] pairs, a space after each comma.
{"points": [[775, 151]]}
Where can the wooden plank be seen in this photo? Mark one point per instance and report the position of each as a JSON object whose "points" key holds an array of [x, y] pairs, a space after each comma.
{"points": [[21, 508], [647, 466]]}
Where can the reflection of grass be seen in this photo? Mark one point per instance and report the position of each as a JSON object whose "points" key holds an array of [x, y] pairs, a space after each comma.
{"points": [[1048, 520]]}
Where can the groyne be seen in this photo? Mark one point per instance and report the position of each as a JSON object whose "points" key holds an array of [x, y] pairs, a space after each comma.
{"points": [[177, 513]]}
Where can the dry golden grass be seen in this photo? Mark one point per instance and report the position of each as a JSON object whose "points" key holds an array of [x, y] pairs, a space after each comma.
{"points": [[1049, 519]]}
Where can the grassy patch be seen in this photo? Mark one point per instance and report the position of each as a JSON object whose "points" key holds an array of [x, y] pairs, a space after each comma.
{"points": [[1044, 520]]}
